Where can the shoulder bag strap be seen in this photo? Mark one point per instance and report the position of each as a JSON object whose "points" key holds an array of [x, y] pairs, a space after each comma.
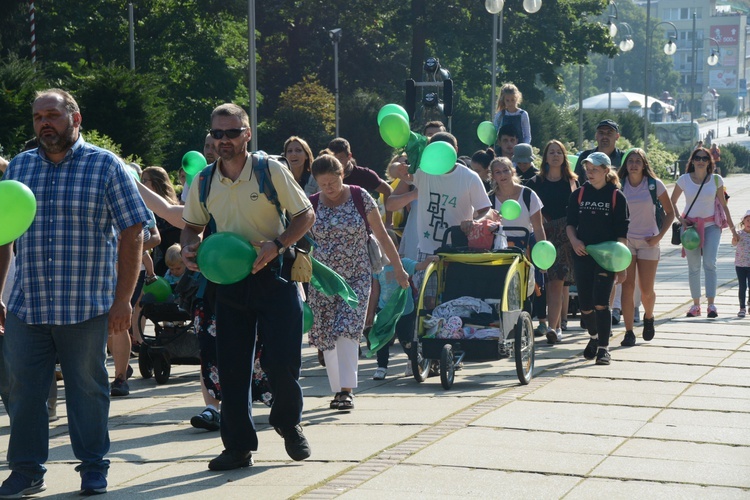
{"points": [[359, 202], [696, 196]]}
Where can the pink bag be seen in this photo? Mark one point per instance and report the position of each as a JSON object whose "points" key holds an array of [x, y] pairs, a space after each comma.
{"points": [[720, 217]]}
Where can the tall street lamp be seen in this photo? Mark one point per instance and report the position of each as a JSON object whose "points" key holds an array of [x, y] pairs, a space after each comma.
{"points": [[713, 60], [335, 35], [253, 74], [669, 48], [495, 7], [626, 45]]}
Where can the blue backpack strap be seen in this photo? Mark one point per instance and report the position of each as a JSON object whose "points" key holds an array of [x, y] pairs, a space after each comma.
{"points": [[265, 185], [204, 186]]}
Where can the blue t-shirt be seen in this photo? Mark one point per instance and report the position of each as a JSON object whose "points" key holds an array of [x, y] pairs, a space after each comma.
{"points": [[388, 284]]}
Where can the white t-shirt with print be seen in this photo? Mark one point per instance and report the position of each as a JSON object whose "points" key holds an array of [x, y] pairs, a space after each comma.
{"points": [[444, 201]]}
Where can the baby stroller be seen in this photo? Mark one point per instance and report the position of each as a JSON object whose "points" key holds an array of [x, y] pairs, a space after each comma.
{"points": [[174, 340], [493, 282]]}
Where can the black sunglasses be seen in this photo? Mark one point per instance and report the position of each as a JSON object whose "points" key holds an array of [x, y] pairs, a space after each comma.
{"points": [[701, 158], [231, 133]]}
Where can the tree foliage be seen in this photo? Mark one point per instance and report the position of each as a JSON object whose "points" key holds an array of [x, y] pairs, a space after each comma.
{"points": [[192, 55]]}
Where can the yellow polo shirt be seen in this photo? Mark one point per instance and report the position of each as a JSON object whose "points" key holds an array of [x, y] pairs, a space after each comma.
{"points": [[239, 206]]}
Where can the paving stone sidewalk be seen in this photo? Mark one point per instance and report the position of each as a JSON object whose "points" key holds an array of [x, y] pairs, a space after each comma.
{"points": [[668, 418]]}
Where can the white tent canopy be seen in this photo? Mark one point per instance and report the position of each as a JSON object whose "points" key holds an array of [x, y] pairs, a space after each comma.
{"points": [[621, 101]]}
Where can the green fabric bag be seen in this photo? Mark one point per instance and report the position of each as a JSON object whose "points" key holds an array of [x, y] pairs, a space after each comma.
{"points": [[329, 282], [384, 326]]}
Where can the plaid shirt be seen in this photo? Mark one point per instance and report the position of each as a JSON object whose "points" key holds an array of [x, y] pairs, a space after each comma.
{"points": [[66, 261]]}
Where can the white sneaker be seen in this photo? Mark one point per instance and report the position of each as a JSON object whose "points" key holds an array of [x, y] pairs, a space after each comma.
{"points": [[558, 332], [408, 372], [379, 373]]}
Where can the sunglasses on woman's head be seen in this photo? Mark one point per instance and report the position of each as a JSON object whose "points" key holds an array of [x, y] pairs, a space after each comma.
{"points": [[701, 158], [231, 133]]}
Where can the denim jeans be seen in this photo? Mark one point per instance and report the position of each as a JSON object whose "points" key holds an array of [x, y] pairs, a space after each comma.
{"points": [[29, 353], [260, 303], [711, 237]]}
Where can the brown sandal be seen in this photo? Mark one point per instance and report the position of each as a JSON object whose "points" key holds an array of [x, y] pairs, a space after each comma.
{"points": [[346, 401]]}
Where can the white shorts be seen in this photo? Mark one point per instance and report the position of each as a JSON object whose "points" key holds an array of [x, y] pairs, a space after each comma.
{"points": [[642, 250]]}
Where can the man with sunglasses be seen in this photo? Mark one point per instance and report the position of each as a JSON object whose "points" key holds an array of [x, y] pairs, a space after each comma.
{"points": [[265, 301]]}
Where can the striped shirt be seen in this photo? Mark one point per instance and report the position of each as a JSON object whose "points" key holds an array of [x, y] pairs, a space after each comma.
{"points": [[66, 261]]}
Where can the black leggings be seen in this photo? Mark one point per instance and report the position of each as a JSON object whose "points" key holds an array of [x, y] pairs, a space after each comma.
{"points": [[405, 335], [743, 276], [594, 285]]}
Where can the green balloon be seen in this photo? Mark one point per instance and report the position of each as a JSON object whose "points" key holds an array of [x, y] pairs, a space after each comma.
{"points": [[226, 258], [307, 317], [159, 288], [193, 162], [17, 210], [135, 175], [573, 160], [690, 239], [390, 109], [611, 255], [510, 209], [543, 254], [394, 129], [438, 158], [189, 179], [487, 133]]}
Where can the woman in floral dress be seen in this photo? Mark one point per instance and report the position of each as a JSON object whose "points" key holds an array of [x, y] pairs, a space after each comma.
{"points": [[341, 234]]}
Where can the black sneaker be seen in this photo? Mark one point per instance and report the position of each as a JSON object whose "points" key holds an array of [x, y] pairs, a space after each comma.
{"points": [[93, 483], [648, 329], [591, 347], [602, 357], [231, 459], [208, 419], [17, 485], [295, 443], [629, 340], [119, 387]]}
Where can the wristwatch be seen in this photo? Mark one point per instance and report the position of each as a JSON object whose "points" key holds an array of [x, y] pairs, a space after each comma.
{"points": [[279, 245]]}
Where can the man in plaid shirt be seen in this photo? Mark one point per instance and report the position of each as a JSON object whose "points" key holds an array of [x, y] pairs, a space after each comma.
{"points": [[72, 288]]}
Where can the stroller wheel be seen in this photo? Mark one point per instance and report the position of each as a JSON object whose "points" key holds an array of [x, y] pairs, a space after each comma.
{"points": [[144, 363], [162, 369]]}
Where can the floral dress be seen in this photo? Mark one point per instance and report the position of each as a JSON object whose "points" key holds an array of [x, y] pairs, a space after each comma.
{"points": [[342, 245]]}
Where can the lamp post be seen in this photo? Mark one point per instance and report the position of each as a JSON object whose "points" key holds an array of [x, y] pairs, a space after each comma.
{"points": [[132, 35], [253, 74], [692, 74], [669, 48], [495, 7], [335, 35], [626, 45], [713, 60]]}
